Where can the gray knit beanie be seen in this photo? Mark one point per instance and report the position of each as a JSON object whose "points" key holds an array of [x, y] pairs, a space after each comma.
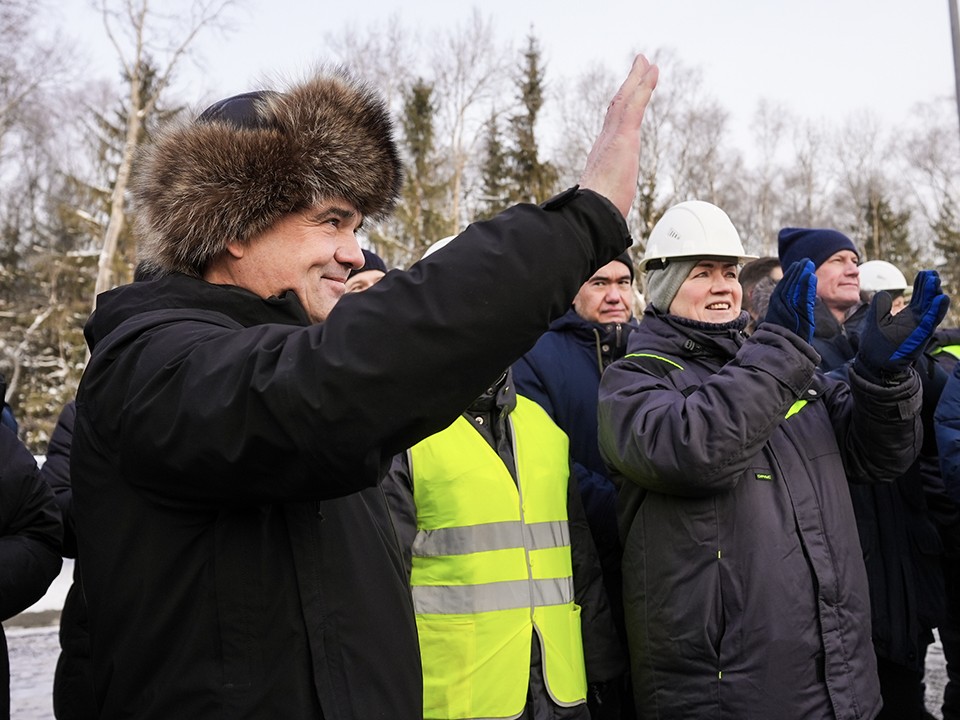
{"points": [[662, 285]]}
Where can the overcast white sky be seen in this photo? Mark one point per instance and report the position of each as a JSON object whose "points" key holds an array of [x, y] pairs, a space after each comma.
{"points": [[823, 59]]}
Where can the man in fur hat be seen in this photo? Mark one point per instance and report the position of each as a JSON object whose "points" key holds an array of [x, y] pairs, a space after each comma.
{"points": [[238, 413]]}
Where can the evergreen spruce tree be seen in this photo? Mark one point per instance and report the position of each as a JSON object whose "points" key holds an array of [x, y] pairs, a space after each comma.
{"points": [[533, 180], [946, 230], [420, 219], [495, 178], [887, 236]]}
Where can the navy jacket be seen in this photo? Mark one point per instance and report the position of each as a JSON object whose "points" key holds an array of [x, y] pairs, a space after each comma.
{"points": [[899, 531], [901, 542], [947, 424], [562, 374]]}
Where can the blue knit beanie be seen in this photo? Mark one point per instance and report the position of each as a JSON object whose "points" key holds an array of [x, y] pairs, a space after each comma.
{"points": [[818, 244]]}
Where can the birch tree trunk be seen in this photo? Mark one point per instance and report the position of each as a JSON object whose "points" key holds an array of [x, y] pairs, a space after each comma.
{"points": [[141, 37]]}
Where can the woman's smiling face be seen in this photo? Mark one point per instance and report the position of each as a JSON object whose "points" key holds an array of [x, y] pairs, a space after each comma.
{"points": [[711, 293]]}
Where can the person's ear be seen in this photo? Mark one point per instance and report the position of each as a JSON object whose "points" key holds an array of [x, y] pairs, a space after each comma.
{"points": [[236, 249]]}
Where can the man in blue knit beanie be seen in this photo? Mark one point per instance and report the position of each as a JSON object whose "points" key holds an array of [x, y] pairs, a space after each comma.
{"points": [[836, 259]]}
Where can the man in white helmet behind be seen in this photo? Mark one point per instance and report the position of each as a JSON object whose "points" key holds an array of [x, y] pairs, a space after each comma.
{"points": [[744, 590], [877, 275]]}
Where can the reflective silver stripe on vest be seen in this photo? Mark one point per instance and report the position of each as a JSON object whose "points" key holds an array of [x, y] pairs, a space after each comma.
{"points": [[470, 599], [491, 536]]}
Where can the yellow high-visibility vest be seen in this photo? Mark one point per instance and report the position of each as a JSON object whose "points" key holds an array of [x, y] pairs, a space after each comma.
{"points": [[491, 565]]}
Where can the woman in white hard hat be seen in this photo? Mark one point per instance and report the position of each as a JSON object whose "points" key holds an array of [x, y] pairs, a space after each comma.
{"points": [[744, 589]]}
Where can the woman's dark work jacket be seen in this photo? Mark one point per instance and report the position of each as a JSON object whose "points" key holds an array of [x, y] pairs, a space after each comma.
{"points": [[238, 558], [744, 586]]}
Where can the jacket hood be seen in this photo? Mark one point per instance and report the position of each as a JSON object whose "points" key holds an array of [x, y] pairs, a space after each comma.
{"points": [[500, 396]]}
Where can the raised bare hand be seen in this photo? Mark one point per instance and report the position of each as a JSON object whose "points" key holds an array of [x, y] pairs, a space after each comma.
{"points": [[613, 165]]}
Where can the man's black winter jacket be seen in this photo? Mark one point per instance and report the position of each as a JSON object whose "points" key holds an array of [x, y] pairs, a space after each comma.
{"points": [[238, 558]]}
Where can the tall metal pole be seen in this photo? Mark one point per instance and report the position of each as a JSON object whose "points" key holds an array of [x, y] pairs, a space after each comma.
{"points": [[955, 33]]}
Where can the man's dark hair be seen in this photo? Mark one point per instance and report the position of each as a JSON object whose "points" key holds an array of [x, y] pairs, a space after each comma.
{"points": [[752, 273], [754, 270]]}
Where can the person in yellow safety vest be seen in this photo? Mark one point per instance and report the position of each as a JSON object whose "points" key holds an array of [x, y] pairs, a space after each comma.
{"points": [[511, 611]]}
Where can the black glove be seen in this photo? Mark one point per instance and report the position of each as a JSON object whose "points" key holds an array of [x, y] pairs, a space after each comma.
{"points": [[791, 304], [890, 344]]}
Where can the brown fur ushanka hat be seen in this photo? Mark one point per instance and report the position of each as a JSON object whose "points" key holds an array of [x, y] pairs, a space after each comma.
{"points": [[249, 160]]}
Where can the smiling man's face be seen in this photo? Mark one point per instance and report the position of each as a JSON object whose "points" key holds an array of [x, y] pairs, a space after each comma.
{"points": [[309, 252]]}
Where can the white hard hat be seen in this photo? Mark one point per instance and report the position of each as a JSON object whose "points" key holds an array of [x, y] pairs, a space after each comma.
{"points": [[876, 275], [693, 229], [442, 242]]}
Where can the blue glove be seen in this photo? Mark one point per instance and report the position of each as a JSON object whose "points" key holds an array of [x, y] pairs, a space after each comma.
{"points": [[890, 344], [791, 304]]}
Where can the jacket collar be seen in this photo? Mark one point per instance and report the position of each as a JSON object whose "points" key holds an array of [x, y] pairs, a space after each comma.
{"points": [[183, 292], [608, 340], [686, 338]]}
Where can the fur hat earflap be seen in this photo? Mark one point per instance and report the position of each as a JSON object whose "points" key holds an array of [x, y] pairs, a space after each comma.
{"points": [[251, 159]]}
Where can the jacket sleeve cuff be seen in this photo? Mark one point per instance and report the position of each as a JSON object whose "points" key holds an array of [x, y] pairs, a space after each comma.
{"points": [[798, 360], [576, 202], [888, 400]]}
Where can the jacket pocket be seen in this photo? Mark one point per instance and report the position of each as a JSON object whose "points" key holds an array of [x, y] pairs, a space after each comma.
{"points": [[717, 628]]}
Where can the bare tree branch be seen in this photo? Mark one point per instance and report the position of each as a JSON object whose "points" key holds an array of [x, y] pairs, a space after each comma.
{"points": [[144, 47]]}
